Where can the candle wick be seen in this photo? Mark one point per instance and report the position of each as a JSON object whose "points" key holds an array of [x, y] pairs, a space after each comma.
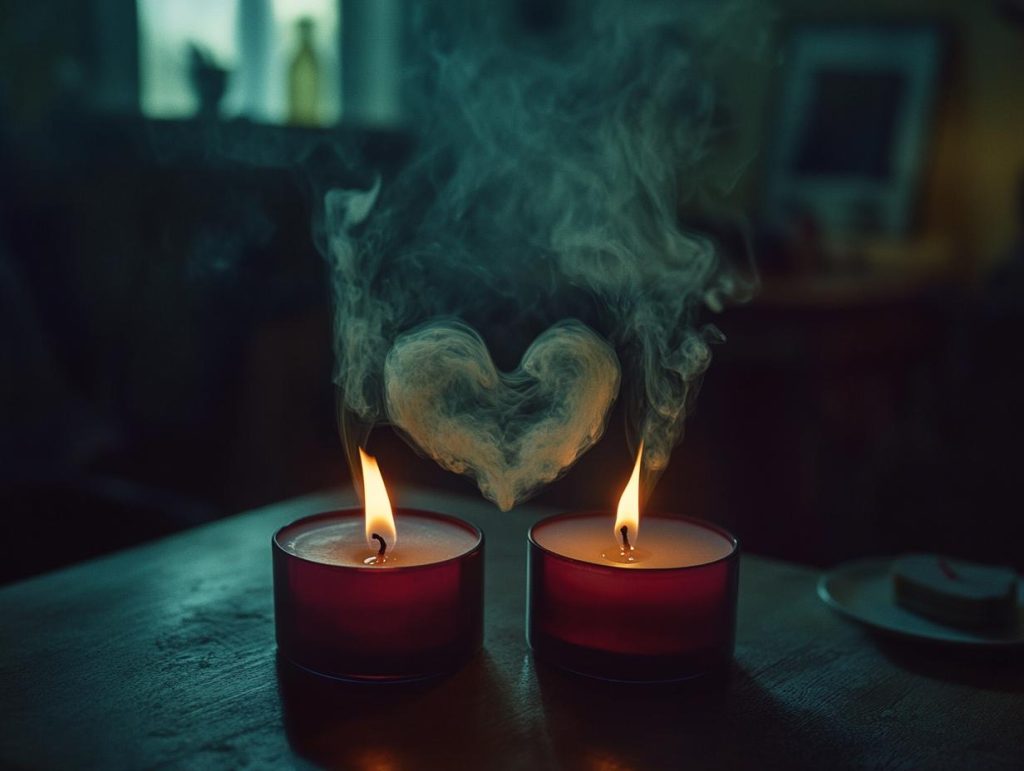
{"points": [[383, 544], [624, 531]]}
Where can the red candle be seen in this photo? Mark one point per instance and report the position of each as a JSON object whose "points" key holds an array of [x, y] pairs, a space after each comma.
{"points": [[604, 602], [365, 595]]}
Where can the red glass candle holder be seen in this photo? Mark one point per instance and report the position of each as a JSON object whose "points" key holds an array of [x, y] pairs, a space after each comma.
{"points": [[632, 624], [375, 622]]}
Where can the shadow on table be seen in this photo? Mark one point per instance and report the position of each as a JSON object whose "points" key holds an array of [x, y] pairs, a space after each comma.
{"points": [[536, 717], [454, 722], [728, 722], [989, 669]]}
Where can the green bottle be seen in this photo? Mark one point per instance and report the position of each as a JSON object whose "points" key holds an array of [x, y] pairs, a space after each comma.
{"points": [[304, 80]]}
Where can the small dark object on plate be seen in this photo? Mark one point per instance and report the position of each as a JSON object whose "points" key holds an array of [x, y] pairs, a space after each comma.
{"points": [[955, 592]]}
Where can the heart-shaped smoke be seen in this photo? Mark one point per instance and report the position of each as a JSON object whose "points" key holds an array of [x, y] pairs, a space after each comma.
{"points": [[546, 184], [513, 433]]}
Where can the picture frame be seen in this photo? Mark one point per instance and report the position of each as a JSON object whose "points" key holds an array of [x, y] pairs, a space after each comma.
{"points": [[852, 127]]}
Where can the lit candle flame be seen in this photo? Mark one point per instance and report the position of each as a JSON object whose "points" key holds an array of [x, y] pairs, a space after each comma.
{"points": [[628, 514], [380, 522]]}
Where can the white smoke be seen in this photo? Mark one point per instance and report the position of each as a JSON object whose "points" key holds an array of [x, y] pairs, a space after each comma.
{"points": [[546, 186], [513, 432]]}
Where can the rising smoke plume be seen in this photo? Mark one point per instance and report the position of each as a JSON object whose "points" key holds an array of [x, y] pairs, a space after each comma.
{"points": [[541, 205]]}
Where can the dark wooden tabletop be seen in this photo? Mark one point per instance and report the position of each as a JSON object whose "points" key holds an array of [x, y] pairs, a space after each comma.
{"points": [[163, 656]]}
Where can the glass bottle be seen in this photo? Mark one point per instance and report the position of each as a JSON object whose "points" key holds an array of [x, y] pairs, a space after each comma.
{"points": [[304, 79]]}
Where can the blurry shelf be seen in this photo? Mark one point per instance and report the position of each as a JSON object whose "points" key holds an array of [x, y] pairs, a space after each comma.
{"points": [[837, 292]]}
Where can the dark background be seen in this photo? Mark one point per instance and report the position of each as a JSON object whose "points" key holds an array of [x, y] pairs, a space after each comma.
{"points": [[165, 343]]}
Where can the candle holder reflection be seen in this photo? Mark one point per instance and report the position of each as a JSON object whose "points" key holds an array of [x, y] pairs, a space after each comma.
{"points": [[448, 723]]}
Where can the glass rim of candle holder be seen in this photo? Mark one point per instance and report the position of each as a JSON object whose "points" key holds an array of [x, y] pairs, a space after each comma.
{"points": [[358, 513], [428, 621], [687, 631], [734, 542]]}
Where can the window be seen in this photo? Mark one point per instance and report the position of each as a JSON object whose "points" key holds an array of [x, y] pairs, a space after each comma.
{"points": [[276, 61]]}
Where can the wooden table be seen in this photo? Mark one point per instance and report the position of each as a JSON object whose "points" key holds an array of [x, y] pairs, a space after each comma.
{"points": [[163, 656]]}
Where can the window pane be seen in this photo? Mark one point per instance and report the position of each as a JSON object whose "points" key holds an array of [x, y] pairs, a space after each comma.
{"points": [[271, 60], [168, 29]]}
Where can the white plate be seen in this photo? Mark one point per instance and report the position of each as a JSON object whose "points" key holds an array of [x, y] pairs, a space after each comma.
{"points": [[862, 590]]}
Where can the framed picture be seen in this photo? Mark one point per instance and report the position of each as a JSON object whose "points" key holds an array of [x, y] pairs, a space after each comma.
{"points": [[852, 127]]}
